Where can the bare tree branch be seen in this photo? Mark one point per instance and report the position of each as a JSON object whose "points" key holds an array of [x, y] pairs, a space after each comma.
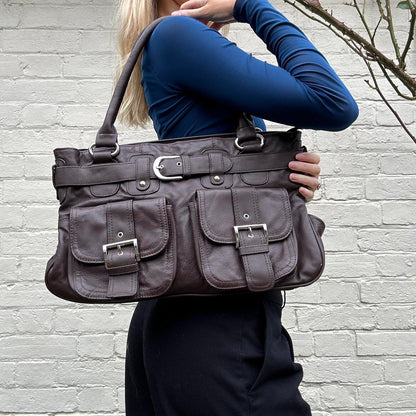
{"points": [[393, 71], [410, 38], [390, 27], [377, 88]]}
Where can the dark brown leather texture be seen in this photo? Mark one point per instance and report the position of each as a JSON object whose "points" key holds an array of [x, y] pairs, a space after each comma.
{"points": [[201, 215]]}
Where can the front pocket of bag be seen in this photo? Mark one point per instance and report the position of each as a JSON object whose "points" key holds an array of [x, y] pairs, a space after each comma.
{"points": [[243, 237], [123, 249]]}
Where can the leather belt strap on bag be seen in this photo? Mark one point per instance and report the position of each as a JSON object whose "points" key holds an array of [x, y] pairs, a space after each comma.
{"points": [[252, 240], [121, 254], [170, 168]]}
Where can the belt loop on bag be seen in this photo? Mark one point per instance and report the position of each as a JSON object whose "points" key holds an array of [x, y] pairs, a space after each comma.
{"points": [[252, 244], [216, 168], [121, 253]]}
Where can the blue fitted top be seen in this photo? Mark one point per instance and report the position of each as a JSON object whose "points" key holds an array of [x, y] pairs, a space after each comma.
{"points": [[197, 82]]}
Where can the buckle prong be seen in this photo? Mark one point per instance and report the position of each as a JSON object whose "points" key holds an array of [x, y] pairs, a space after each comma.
{"points": [[118, 246], [249, 227]]}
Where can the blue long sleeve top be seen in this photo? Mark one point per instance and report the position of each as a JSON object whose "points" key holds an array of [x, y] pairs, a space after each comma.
{"points": [[197, 82]]}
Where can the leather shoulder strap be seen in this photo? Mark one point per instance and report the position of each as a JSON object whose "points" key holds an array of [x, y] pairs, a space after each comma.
{"points": [[107, 134]]}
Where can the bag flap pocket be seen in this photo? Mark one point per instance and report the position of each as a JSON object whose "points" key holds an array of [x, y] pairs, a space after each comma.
{"points": [[144, 224], [269, 206]]}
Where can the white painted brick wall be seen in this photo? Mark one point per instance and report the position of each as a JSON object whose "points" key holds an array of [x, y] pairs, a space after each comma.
{"points": [[354, 331]]}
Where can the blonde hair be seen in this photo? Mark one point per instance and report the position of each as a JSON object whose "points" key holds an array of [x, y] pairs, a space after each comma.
{"points": [[132, 17]]}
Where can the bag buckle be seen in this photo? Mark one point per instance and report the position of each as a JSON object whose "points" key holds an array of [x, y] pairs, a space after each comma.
{"points": [[158, 166], [249, 227], [120, 244]]}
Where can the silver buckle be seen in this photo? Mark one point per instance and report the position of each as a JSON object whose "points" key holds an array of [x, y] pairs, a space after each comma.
{"points": [[120, 244], [238, 228], [157, 166]]}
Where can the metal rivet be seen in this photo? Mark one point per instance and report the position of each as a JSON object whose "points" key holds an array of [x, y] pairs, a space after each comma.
{"points": [[142, 183], [217, 178], [178, 163], [120, 234], [246, 216]]}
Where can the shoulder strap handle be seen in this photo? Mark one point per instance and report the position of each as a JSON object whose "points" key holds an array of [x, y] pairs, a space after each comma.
{"points": [[106, 145], [107, 134]]}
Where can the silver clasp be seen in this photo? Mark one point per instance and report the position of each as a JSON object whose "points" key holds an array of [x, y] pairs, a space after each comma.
{"points": [[249, 227], [120, 244], [158, 166]]}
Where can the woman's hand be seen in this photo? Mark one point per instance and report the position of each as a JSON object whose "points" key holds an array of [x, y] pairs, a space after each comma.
{"points": [[208, 10], [307, 168]]}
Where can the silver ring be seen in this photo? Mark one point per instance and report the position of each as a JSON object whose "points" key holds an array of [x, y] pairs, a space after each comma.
{"points": [[258, 136], [113, 154]]}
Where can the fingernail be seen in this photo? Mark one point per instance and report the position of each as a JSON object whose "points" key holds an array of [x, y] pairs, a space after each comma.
{"points": [[177, 13]]}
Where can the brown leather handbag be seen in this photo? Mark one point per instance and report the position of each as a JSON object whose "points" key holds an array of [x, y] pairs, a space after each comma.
{"points": [[188, 216]]}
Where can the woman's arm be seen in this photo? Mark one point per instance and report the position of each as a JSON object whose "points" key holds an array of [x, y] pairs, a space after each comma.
{"points": [[304, 91]]}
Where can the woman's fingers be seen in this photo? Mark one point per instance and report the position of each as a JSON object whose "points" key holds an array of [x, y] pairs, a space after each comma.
{"points": [[308, 157], [307, 170], [306, 193], [193, 4], [215, 10], [309, 181], [192, 8], [306, 163]]}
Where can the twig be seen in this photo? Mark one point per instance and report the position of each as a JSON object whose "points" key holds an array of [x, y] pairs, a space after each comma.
{"points": [[411, 35], [390, 28], [377, 88], [364, 22], [375, 30]]}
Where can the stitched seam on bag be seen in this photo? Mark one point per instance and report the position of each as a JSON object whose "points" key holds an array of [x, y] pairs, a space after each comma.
{"points": [[220, 283], [245, 177], [79, 283], [207, 272], [293, 255], [170, 263], [73, 235], [116, 187], [132, 233], [159, 245]]}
